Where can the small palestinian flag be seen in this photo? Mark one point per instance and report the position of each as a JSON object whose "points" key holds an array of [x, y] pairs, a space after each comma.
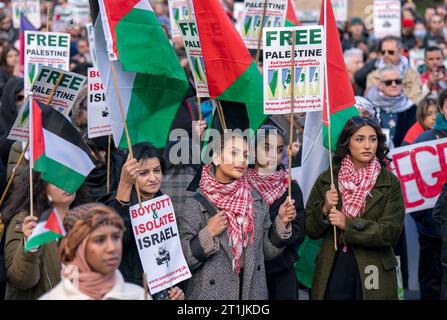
{"points": [[57, 149], [49, 228]]}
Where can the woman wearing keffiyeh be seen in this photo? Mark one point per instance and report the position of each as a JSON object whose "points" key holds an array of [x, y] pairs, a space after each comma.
{"points": [[368, 210], [226, 232], [270, 179]]}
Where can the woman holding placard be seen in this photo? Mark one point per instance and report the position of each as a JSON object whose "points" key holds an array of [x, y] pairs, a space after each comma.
{"points": [[369, 218], [226, 232], [146, 170], [270, 179]]}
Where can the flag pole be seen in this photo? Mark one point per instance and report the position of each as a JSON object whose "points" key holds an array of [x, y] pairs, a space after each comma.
{"points": [[108, 164], [14, 170], [145, 285], [123, 117], [48, 18], [258, 51], [221, 116], [292, 106], [200, 108], [31, 196], [328, 114]]}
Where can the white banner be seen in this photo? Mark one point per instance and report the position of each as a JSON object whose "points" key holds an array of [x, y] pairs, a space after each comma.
{"points": [[275, 17], [422, 171], [91, 43], [98, 119], [41, 89], [45, 49], [387, 18], [156, 234], [193, 50], [179, 10], [309, 67], [340, 8], [31, 10]]}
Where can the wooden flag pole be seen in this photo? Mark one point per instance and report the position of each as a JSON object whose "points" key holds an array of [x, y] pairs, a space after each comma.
{"points": [[59, 79], [221, 116], [258, 51], [199, 101], [145, 286], [292, 106], [328, 115], [48, 18], [126, 131], [108, 164]]}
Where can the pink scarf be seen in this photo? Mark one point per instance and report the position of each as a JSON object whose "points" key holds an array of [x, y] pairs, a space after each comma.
{"points": [[355, 185], [236, 201], [91, 283], [270, 186]]}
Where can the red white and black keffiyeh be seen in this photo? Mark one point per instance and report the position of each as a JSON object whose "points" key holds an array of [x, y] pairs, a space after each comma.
{"points": [[236, 201], [271, 186], [355, 185]]}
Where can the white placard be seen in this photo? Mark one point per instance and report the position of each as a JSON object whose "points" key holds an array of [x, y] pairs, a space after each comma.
{"points": [[387, 18], [309, 67], [31, 10], [98, 119], [156, 234]]}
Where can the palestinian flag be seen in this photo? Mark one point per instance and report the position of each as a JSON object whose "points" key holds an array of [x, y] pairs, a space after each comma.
{"points": [[49, 228], [341, 95], [291, 18], [231, 71], [151, 81], [25, 25], [57, 149]]}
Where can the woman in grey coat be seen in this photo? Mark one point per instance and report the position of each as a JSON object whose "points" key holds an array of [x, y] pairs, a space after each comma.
{"points": [[226, 232]]}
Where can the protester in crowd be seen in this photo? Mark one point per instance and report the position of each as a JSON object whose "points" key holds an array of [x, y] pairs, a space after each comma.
{"points": [[435, 32], [440, 218], [9, 66], [430, 242], [145, 170], [429, 12], [33, 273], [11, 102], [367, 226], [79, 110], [434, 78], [96, 181], [357, 32], [408, 38], [390, 53], [7, 30], [83, 55], [91, 253], [396, 111], [269, 178], [440, 128], [226, 231], [425, 116], [353, 61], [365, 107]]}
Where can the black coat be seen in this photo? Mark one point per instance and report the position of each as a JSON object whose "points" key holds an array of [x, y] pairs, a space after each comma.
{"points": [[361, 75], [440, 218], [290, 254], [8, 114]]}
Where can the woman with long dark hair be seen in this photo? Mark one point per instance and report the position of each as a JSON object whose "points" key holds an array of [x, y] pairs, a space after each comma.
{"points": [[270, 179], [226, 231], [369, 218]]}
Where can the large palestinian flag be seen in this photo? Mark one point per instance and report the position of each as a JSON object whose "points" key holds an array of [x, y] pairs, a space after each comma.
{"points": [[151, 81], [231, 71], [341, 95], [57, 149], [49, 228]]}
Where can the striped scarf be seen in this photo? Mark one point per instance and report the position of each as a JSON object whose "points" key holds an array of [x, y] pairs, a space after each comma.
{"points": [[236, 201], [355, 185], [270, 186]]}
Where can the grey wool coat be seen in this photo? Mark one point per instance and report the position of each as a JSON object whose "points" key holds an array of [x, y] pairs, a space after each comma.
{"points": [[371, 236], [212, 276]]}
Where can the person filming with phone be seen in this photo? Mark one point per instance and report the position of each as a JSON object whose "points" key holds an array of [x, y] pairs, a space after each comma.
{"points": [[433, 79]]}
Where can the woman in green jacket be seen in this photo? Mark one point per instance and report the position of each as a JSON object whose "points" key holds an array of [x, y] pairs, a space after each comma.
{"points": [[367, 208]]}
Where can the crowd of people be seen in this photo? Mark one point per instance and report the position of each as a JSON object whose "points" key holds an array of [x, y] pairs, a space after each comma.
{"points": [[240, 229]]}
